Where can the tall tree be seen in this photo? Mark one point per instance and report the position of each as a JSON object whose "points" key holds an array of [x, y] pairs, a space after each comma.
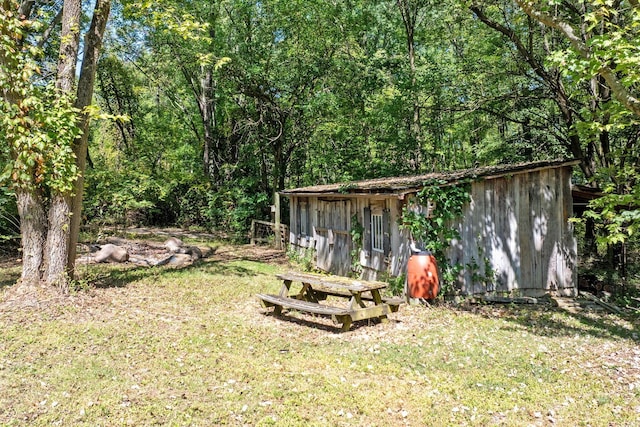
{"points": [[601, 49], [47, 131], [532, 48], [60, 208], [86, 83], [410, 10], [603, 35]]}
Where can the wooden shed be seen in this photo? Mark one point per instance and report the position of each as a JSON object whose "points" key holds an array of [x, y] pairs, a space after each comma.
{"points": [[515, 229]]}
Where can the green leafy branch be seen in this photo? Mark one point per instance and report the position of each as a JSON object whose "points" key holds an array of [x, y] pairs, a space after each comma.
{"points": [[617, 216], [38, 123]]}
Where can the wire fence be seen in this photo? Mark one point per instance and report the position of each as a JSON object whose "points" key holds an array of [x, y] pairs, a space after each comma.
{"points": [[264, 232]]}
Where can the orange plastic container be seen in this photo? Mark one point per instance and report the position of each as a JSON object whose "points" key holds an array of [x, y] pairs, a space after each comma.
{"points": [[422, 276]]}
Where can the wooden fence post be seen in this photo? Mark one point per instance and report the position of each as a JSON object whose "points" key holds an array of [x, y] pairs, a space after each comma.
{"points": [[277, 230]]}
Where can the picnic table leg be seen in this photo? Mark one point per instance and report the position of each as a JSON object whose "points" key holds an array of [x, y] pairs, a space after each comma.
{"points": [[307, 293], [346, 324], [284, 290], [356, 299], [377, 299], [375, 293], [277, 310]]}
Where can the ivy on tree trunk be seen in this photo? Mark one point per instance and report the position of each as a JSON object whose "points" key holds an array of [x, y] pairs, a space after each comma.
{"points": [[47, 134]]}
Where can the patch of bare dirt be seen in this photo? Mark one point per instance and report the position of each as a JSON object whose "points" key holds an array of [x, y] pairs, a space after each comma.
{"points": [[251, 253], [146, 243]]}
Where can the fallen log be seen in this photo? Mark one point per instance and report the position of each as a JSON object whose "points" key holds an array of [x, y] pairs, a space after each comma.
{"points": [[609, 306], [111, 252], [509, 300]]}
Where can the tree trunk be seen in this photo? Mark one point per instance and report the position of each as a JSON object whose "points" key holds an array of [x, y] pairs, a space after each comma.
{"points": [[56, 248], [409, 11], [33, 227], [86, 83], [30, 201], [278, 165], [57, 243], [69, 44], [207, 112]]}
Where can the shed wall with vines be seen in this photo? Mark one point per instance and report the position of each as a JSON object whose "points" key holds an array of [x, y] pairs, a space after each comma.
{"points": [[515, 235]]}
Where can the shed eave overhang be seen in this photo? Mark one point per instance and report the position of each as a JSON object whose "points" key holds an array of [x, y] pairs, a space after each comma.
{"points": [[399, 187], [338, 195]]}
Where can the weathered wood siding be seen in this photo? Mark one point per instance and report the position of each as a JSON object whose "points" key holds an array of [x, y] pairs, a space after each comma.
{"points": [[372, 263], [329, 236], [328, 231], [515, 236], [332, 235]]}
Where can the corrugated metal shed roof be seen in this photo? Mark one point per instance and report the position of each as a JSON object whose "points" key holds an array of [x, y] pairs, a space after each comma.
{"points": [[409, 184]]}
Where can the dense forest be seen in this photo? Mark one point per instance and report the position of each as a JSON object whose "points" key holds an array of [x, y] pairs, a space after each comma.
{"points": [[201, 110]]}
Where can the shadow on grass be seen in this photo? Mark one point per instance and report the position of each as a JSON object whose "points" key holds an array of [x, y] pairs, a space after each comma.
{"points": [[544, 320], [110, 276], [10, 264], [8, 278], [119, 277], [321, 323], [223, 267]]}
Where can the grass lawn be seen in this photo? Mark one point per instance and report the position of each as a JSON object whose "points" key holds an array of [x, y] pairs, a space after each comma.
{"points": [[156, 346]]}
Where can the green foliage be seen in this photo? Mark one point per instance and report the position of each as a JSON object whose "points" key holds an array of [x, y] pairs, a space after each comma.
{"points": [[38, 123], [194, 204], [617, 213], [449, 275], [445, 204], [232, 208], [303, 260], [433, 229], [612, 42], [123, 199], [481, 273], [396, 284], [41, 136]]}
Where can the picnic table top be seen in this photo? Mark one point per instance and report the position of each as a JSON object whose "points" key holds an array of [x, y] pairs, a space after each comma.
{"points": [[338, 282]]}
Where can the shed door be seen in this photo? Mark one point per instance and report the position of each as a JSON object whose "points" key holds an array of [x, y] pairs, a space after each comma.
{"points": [[333, 236]]}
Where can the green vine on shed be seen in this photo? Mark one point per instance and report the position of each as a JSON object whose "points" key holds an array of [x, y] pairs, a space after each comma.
{"points": [[433, 230]]}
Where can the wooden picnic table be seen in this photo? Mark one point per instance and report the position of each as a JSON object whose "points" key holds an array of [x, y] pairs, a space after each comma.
{"points": [[364, 298]]}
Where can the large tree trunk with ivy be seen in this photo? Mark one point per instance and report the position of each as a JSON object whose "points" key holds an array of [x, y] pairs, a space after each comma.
{"points": [[56, 249], [29, 200], [49, 225]]}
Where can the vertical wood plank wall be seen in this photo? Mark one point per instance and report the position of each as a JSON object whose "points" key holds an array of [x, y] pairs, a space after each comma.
{"points": [[332, 235], [520, 227]]}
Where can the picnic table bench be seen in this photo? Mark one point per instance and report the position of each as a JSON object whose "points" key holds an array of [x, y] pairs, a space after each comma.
{"points": [[364, 299]]}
